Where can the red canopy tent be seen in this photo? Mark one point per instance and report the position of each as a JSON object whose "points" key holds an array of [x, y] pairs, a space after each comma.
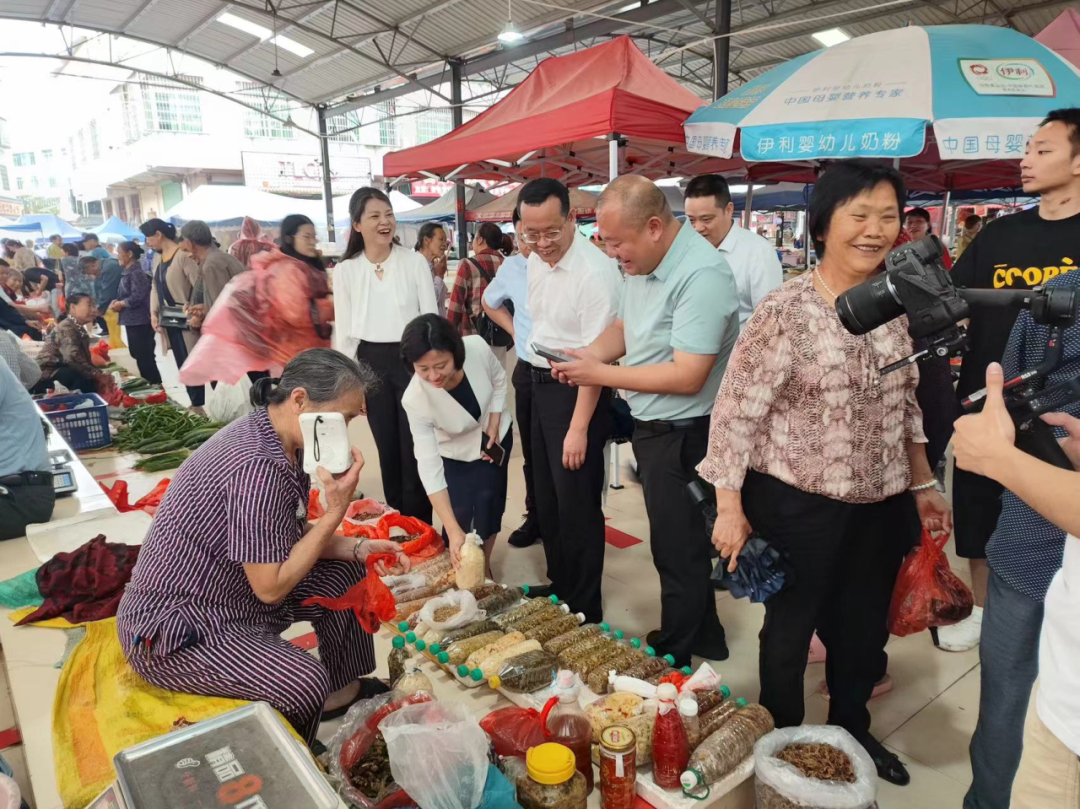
{"points": [[1063, 35], [557, 123]]}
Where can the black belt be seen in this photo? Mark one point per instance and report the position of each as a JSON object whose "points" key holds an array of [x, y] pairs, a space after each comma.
{"points": [[658, 426], [541, 375], [28, 479]]}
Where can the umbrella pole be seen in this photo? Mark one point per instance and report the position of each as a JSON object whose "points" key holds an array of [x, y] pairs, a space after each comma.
{"points": [[748, 205], [946, 219], [615, 471]]}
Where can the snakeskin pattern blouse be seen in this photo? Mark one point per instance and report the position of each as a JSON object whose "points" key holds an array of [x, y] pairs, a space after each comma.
{"points": [[803, 401]]}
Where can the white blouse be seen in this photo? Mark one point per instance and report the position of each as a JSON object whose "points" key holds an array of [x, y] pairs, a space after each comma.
{"points": [[407, 284], [442, 428]]}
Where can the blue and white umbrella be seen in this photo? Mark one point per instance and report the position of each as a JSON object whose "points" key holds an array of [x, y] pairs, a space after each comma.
{"points": [[982, 90]]}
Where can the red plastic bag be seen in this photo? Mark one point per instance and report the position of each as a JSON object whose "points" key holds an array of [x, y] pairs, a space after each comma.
{"points": [[927, 592], [427, 542], [370, 600], [314, 507], [118, 494], [514, 730]]}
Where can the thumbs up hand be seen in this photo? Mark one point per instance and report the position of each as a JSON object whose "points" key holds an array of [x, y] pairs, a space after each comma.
{"points": [[983, 440]]}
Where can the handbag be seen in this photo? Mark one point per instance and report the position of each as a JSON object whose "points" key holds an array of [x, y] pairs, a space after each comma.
{"points": [[173, 317], [494, 334]]}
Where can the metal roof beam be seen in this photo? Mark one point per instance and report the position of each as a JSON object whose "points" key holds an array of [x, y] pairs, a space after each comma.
{"points": [[142, 9], [165, 46], [59, 9], [692, 8], [198, 27], [304, 18], [598, 28], [319, 34], [164, 77]]}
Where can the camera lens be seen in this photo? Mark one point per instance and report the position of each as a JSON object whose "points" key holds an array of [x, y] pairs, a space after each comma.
{"points": [[871, 304]]}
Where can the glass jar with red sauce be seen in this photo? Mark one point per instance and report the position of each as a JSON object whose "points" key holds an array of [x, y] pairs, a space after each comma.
{"points": [[618, 767]]}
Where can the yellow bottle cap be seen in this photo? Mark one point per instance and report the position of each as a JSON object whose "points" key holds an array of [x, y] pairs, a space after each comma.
{"points": [[550, 763], [617, 739], [495, 681]]}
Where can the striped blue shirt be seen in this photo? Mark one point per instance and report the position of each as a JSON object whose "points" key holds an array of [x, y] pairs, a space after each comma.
{"points": [[1026, 549]]}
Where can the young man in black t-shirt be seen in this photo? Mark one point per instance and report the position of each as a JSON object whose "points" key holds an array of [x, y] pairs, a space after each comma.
{"points": [[1018, 251], [1021, 251]]}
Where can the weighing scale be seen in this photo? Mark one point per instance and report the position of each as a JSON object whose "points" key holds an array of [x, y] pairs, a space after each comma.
{"points": [[63, 475]]}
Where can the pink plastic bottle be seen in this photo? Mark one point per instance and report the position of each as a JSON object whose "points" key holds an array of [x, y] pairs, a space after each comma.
{"points": [[566, 723], [671, 749]]}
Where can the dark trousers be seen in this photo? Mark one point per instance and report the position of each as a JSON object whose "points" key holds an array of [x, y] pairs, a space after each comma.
{"points": [[568, 501], [523, 395], [1009, 654], [140, 340], [390, 427], [680, 544], [69, 378], [180, 354], [23, 505], [845, 559]]}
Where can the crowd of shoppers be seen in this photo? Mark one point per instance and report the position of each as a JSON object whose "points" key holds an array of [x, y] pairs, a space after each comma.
{"points": [[732, 377]]}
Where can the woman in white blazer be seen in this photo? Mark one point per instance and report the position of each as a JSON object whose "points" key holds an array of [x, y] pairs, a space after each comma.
{"points": [[379, 287], [456, 404]]}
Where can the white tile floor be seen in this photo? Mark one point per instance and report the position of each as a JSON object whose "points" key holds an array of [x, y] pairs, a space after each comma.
{"points": [[927, 719]]}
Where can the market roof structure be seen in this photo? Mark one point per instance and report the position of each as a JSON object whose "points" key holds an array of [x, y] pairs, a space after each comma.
{"points": [[347, 54]]}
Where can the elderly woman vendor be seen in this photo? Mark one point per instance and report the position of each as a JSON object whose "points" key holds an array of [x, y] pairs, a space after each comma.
{"points": [[230, 559]]}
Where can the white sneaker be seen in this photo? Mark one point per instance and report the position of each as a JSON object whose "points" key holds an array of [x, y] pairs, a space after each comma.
{"points": [[962, 636]]}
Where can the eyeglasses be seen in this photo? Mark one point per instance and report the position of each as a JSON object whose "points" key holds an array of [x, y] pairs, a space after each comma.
{"points": [[534, 238]]}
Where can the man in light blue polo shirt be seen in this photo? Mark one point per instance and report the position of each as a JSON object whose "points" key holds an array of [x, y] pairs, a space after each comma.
{"points": [[511, 284], [26, 487], [677, 324]]}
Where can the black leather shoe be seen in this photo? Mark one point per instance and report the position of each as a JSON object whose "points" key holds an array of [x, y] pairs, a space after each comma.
{"points": [[540, 591], [889, 767], [527, 534], [714, 653]]}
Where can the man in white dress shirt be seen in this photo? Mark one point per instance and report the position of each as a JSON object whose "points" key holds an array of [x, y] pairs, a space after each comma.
{"points": [[573, 297], [753, 260]]}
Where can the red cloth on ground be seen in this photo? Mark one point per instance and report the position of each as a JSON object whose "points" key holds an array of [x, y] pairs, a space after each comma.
{"points": [[85, 585]]}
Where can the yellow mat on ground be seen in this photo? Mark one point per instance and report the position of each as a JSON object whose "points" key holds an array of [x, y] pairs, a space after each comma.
{"points": [[102, 707]]}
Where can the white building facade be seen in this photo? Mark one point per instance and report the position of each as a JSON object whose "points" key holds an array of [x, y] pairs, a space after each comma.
{"points": [[137, 146]]}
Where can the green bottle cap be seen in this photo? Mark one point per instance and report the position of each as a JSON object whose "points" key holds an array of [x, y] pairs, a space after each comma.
{"points": [[670, 659], [443, 658], [398, 642], [525, 589], [410, 638], [477, 675], [725, 692], [554, 599], [403, 626], [618, 634], [434, 648], [420, 646], [463, 670], [605, 628], [742, 703], [687, 670], [650, 651], [636, 643]]}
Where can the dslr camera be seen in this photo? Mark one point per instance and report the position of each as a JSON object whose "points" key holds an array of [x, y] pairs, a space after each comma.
{"points": [[916, 283]]}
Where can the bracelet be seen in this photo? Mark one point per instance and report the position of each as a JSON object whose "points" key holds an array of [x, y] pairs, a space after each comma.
{"points": [[930, 484], [356, 550]]}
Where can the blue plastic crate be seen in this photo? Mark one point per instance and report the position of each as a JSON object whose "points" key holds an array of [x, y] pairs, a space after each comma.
{"points": [[85, 428]]}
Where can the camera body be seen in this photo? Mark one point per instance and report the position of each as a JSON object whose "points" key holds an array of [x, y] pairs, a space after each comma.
{"points": [[917, 284]]}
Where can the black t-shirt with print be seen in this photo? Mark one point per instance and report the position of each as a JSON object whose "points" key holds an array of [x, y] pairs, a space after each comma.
{"points": [[1019, 251]]}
